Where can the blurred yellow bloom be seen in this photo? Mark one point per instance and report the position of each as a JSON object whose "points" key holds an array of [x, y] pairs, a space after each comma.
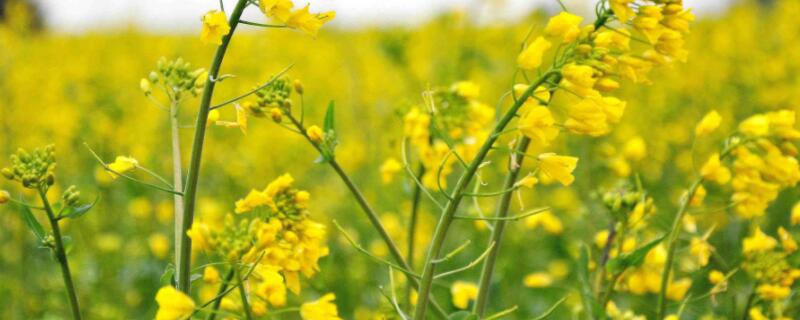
{"points": [[389, 169], [215, 27], [528, 181], [173, 304], [708, 124], [795, 216], [549, 222], [199, 233], [648, 20], [701, 250], [315, 134], [531, 57], [564, 25], [538, 124], [467, 89], [322, 309], [714, 170], [757, 125], [716, 277], [122, 165], [210, 275], [462, 293], [159, 245], [699, 196], [758, 242], [558, 167], [4, 196], [635, 149], [677, 290], [773, 292], [538, 280], [756, 314], [787, 241], [622, 9]]}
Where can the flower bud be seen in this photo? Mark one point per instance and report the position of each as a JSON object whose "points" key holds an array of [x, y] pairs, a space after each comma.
{"points": [[8, 173], [276, 115], [298, 86], [4, 196], [144, 84], [51, 179]]}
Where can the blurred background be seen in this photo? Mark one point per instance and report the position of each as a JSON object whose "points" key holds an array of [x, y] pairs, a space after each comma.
{"points": [[69, 74]]}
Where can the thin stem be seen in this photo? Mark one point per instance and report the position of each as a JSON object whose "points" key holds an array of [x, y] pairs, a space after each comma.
{"points": [[515, 166], [220, 293], [365, 206], [177, 178], [248, 93], [672, 238], [243, 293], [448, 213], [61, 256], [190, 194], [412, 229], [262, 24]]}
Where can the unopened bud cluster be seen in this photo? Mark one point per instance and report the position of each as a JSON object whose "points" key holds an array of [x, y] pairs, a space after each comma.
{"points": [[273, 99], [177, 75], [71, 196], [33, 170]]}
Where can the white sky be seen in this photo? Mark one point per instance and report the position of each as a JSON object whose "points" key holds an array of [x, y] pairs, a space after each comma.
{"points": [[183, 15]]}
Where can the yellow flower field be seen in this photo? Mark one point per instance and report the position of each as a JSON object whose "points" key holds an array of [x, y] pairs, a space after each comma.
{"points": [[635, 163]]}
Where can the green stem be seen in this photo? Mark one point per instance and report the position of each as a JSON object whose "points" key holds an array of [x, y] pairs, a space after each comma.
{"points": [[496, 237], [449, 211], [61, 256], [243, 293], [365, 206], [672, 238], [177, 179], [222, 287], [190, 194], [412, 229]]}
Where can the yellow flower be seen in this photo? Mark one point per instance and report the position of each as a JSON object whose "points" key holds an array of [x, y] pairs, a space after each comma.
{"points": [[756, 314], [550, 222], [635, 149], [271, 288], [200, 234], [467, 89], [538, 280], [677, 290], [307, 22], [558, 167], [463, 293], [757, 125], [622, 9], [758, 242], [159, 245], [531, 57], [716, 277], [173, 304], [322, 309], [787, 241], [210, 275], [389, 168], [279, 10], [529, 181], [795, 218], [699, 196], [564, 25], [538, 124], [540, 93], [253, 200], [708, 124], [215, 26], [773, 292], [648, 21], [213, 117], [701, 250], [315, 134], [122, 165], [714, 170]]}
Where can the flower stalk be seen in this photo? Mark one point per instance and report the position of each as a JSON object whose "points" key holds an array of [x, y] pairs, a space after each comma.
{"points": [[61, 255], [184, 249]]}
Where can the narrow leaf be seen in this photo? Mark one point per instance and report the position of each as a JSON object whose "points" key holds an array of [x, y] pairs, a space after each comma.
{"points": [[593, 310], [32, 223], [633, 259], [74, 212], [328, 125]]}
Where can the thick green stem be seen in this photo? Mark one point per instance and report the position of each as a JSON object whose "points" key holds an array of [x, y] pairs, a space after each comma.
{"points": [[177, 179], [457, 195], [190, 194], [412, 229], [243, 294], [222, 288], [672, 238], [61, 256], [362, 202], [515, 165]]}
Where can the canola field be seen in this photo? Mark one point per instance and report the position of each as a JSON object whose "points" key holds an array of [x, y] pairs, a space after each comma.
{"points": [[635, 163]]}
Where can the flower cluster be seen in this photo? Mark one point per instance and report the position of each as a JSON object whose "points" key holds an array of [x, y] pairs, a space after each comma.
{"points": [[769, 264], [33, 170], [175, 77], [271, 227], [452, 118]]}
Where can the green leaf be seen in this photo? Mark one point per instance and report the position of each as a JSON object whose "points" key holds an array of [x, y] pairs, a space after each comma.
{"points": [[633, 259], [32, 223], [462, 315], [75, 212], [328, 125], [167, 278], [593, 309]]}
